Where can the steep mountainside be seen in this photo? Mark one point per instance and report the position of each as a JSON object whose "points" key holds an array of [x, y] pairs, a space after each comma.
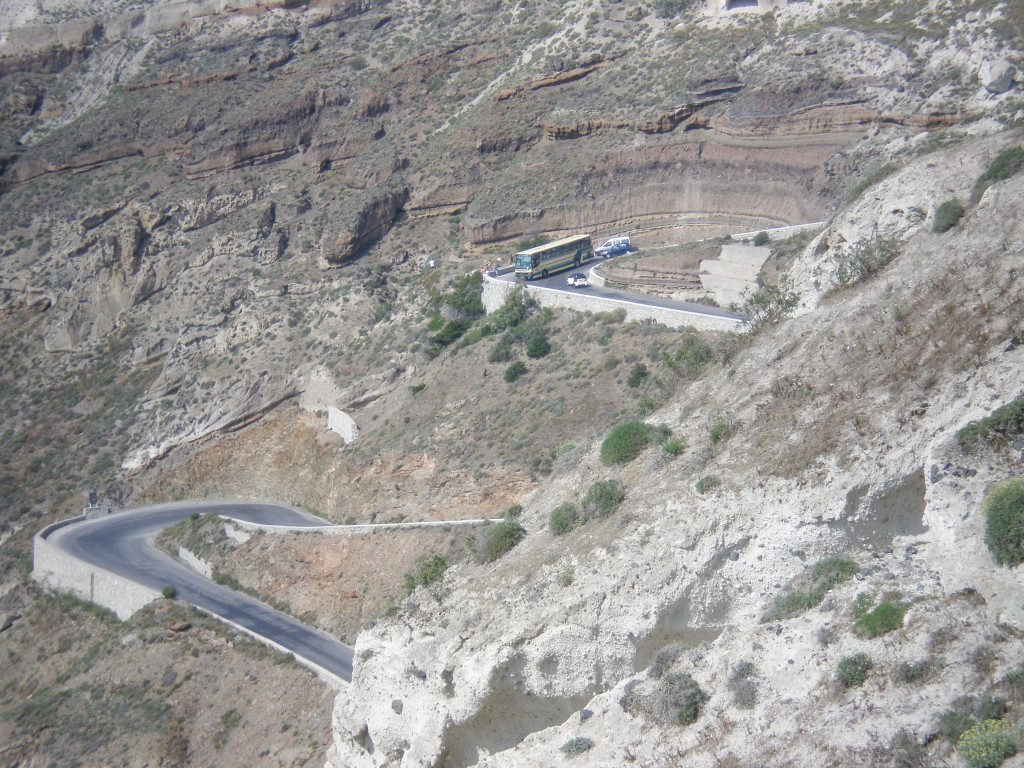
{"points": [[220, 219]]}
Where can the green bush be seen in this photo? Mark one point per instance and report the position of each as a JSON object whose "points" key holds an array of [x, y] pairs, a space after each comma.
{"points": [[637, 374], [864, 258], [514, 512], [646, 405], [915, 671], [563, 518], [682, 693], [169, 592], [501, 352], [537, 344], [603, 498], [958, 720], [761, 238], [862, 604], [885, 618], [1006, 164], [825, 575], [1016, 682], [515, 371], [673, 447], [663, 661], [988, 744], [576, 746], [743, 685], [1004, 521], [1003, 424], [465, 295], [948, 215], [707, 484], [513, 311], [852, 671], [429, 570], [691, 357], [500, 538], [668, 9], [451, 331], [769, 304], [626, 442], [721, 430]]}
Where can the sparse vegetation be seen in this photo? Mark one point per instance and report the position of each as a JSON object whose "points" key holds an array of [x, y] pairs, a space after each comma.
{"points": [[761, 238], [1002, 425], [883, 619], [646, 405], [721, 430], [563, 518], [681, 693], [576, 746], [864, 258], [626, 442], [825, 575], [852, 671], [499, 539], [872, 178], [515, 371], [948, 215], [637, 374], [1004, 522], [707, 484], [429, 570], [673, 447], [913, 672], [743, 685], [690, 357], [602, 498], [1006, 164], [769, 304], [988, 744], [663, 661]]}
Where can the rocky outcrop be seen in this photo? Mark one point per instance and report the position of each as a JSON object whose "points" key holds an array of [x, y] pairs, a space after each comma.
{"points": [[997, 75], [559, 78], [372, 218], [569, 636]]}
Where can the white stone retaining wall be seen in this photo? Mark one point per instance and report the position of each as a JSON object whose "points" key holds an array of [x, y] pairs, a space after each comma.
{"points": [[781, 233], [195, 562], [57, 570], [495, 293], [347, 530]]}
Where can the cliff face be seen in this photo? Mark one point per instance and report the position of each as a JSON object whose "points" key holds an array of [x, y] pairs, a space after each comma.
{"points": [[842, 425], [202, 202]]}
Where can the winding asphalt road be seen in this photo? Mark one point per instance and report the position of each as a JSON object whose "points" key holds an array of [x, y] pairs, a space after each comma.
{"points": [[556, 282], [123, 543]]}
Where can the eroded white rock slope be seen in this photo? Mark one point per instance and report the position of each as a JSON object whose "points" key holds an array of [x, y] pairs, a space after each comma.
{"points": [[844, 422]]}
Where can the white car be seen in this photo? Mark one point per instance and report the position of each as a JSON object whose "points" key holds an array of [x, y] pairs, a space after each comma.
{"points": [[577, 280]]}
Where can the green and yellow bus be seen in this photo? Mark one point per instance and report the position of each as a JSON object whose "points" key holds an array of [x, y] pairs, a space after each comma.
{"points": [[544, 260]]}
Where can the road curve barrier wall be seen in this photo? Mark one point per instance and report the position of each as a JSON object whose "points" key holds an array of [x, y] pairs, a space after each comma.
{"points": [[358, 528], [495, 292], [58, 570]]}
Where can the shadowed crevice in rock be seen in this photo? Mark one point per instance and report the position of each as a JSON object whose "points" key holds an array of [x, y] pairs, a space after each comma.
{"points": [[873, 520], [507, 717]]}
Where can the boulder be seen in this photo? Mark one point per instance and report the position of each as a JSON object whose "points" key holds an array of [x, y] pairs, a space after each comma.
{"points": [[996, 75]]}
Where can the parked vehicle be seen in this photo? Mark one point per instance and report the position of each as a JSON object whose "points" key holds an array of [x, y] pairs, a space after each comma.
{"points": [[577, 280], [614, 246]]}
